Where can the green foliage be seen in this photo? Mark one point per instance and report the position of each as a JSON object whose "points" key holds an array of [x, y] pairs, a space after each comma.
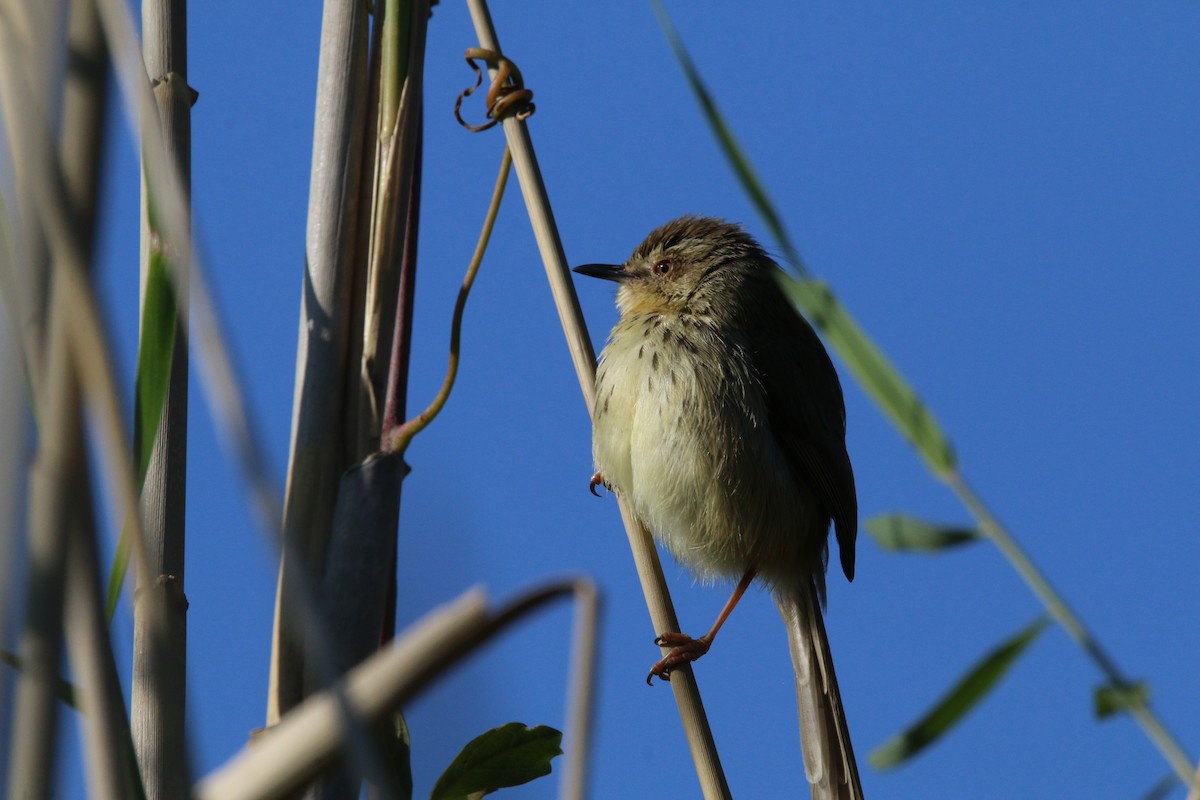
{"points": [[156, 347], [964, 696], [906, 534], [855, 349], [509, 755], [885, 386], [1111, 699], [396, 746]]}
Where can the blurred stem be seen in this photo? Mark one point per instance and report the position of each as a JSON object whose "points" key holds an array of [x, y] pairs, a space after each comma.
{"points": [[990, 527], [111, 766], [29, 96], [54, 487], [403, 435], [304, 743]]}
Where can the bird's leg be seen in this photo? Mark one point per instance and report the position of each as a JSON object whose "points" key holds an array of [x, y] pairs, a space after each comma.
{"points": [[684, 648], [597, 480]]}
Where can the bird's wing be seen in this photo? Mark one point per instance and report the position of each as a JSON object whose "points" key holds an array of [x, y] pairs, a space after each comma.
{"points": [[806, 412]]}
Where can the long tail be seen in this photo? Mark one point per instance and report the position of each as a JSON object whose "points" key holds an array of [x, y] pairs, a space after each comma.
{"points": [[828, 755]]}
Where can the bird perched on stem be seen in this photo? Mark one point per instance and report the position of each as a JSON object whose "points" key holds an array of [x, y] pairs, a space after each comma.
{"points": [[719, 415]]}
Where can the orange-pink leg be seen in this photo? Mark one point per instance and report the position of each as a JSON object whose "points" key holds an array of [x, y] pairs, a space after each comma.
{"points": [[597, 480], [685, 649]]}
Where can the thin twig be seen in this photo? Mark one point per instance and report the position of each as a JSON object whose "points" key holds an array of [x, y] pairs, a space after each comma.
{"points": [[405, 433], [645, 556]]}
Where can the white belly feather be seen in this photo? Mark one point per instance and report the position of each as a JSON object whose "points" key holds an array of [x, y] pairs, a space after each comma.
{"points": [[664, 416]]}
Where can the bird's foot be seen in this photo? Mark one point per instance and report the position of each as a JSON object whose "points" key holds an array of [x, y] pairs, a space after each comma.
{"points": [[598, 480], [684, 650]]}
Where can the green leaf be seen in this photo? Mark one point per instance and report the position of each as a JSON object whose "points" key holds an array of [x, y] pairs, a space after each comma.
{"points": [[905, 534], [155, 350], [396, 746], [865, 361], [506, 756], [874, 372], [970, 689], [63, 690], [1113, 698]]}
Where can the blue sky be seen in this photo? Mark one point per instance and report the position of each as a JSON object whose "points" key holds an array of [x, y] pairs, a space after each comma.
{"points": [[1004, 195]]}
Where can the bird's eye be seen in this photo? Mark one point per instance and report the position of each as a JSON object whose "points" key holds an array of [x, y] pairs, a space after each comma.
{"points": [[662, 266]]}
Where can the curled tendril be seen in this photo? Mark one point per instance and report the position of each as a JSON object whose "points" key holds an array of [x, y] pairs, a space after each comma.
{"points": [[506, 96]]}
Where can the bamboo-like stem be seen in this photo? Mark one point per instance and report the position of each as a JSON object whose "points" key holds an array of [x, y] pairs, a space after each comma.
{"points": [[317, 457], [357, 575], [404, 435], [1066, 617], [399, 104], [160, 634], [658, 600]]}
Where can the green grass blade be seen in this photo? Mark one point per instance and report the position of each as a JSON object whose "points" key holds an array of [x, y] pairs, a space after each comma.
{"points": [[901, 533], [871, 368], [155, 348], [396, 747], [509, 755], [733, 151], [970, 689], [856, 350]]}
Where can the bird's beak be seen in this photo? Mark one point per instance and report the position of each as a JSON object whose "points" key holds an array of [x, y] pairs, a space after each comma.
{"points": [[609, 272]]}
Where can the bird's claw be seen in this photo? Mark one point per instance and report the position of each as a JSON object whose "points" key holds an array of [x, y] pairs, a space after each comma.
{"points": [[597, 480], [684, 650]]}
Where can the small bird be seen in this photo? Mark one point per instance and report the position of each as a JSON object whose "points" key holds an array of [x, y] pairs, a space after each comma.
{"points": [[719, 416]]}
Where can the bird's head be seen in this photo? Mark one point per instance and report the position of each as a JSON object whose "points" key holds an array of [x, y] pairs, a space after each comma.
{"points": [[692, 265]]}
